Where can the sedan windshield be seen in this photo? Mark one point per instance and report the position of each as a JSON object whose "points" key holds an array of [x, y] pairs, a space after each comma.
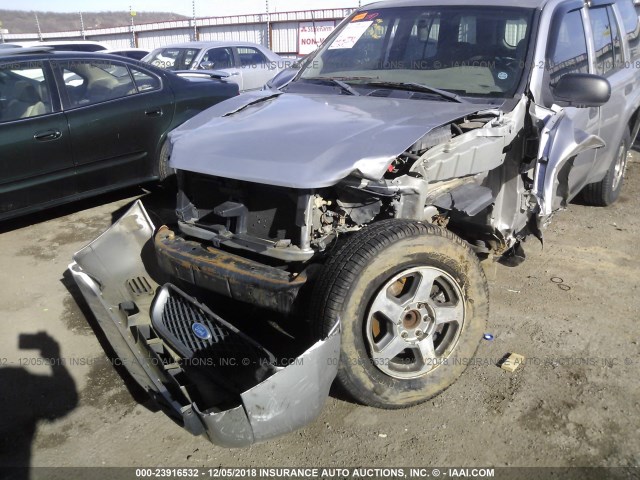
{"points": [[172, 58], [473, 51]]}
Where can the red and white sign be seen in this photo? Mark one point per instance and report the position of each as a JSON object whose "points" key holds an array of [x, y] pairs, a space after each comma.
{"points": [[312, 34]]}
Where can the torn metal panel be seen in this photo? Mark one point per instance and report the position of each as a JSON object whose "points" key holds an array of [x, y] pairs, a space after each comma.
{"points": [[413, 195], [328, 136], [275, 402], [461, 166], [469, 199], [510, 211], [560, 143], [476, 151]]}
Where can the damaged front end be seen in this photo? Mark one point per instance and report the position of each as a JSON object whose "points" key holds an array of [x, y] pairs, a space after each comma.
{"points": [[257, 229], [211, 377]]}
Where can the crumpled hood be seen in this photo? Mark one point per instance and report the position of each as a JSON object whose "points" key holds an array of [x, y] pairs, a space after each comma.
{"points": [[305, 140]]}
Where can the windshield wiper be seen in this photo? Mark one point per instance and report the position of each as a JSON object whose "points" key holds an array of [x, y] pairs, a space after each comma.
{"points": [[421, 88], [344, 86]]}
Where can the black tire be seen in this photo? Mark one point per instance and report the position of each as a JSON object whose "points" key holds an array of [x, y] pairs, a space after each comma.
{"points": [[164, 170], [354, 276], [607, 191]]}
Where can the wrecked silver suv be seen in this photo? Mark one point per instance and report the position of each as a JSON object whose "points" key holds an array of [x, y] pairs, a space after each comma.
{"points": [[358, 198]]}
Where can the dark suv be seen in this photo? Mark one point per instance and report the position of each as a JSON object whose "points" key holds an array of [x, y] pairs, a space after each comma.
{"points": [[358, 197]]}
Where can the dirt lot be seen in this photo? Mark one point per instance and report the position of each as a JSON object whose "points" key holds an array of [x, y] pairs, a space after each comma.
{"points": [[575, 403]]}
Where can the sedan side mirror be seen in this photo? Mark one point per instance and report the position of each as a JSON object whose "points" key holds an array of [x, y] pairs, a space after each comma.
{"points": [[582, 90], [206, 65]]}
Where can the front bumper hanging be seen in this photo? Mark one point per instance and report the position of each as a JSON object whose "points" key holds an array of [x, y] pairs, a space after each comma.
{"points": [[210, 376]]}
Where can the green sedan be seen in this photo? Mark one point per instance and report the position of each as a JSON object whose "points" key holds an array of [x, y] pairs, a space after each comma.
{"points": [[76, 124]]}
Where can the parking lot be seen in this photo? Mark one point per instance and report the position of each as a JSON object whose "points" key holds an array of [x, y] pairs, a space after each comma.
{"points": [[572, 309]]}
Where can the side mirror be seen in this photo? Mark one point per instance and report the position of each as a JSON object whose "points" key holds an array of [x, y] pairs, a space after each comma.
{"points": [[206, 65], [582, 90]]}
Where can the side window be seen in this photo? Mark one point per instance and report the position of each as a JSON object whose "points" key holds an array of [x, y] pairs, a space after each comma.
{"points": [[515, 31], [421, 42], [423, 38], [467, 30], [631, 26], [434, 29], [426, 27], [188, 57], [23, 91], [88, 82], [144, 81], [173, 58], [220, 57], [251, 56], [603, 30], [567, 52]]}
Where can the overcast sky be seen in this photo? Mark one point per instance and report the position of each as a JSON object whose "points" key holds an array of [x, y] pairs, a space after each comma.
{"points": [[204, 8]]}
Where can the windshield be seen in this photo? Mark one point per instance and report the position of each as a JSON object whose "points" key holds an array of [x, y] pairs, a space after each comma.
{"points": [[172, 58], [474, 51]]}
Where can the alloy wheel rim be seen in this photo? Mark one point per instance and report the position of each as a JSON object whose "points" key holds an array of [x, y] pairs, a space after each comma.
{"points": [[619, 168], [414, 322]]}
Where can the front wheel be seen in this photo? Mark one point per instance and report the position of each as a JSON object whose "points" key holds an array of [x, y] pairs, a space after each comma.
{"points": [[165, 172], [413, 303]]}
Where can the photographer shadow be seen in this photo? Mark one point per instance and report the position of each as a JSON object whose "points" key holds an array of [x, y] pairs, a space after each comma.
{"points": [[26, 399]]}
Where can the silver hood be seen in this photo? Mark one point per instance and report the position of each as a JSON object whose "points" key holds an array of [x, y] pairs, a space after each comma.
{"points": [[305, 140]]}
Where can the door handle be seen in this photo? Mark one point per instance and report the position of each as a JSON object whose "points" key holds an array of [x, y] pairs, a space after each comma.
{"points": [[47, 135], [153, 113]]}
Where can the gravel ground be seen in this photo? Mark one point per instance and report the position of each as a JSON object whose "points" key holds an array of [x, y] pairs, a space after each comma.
{"points": [[576, 401]]}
